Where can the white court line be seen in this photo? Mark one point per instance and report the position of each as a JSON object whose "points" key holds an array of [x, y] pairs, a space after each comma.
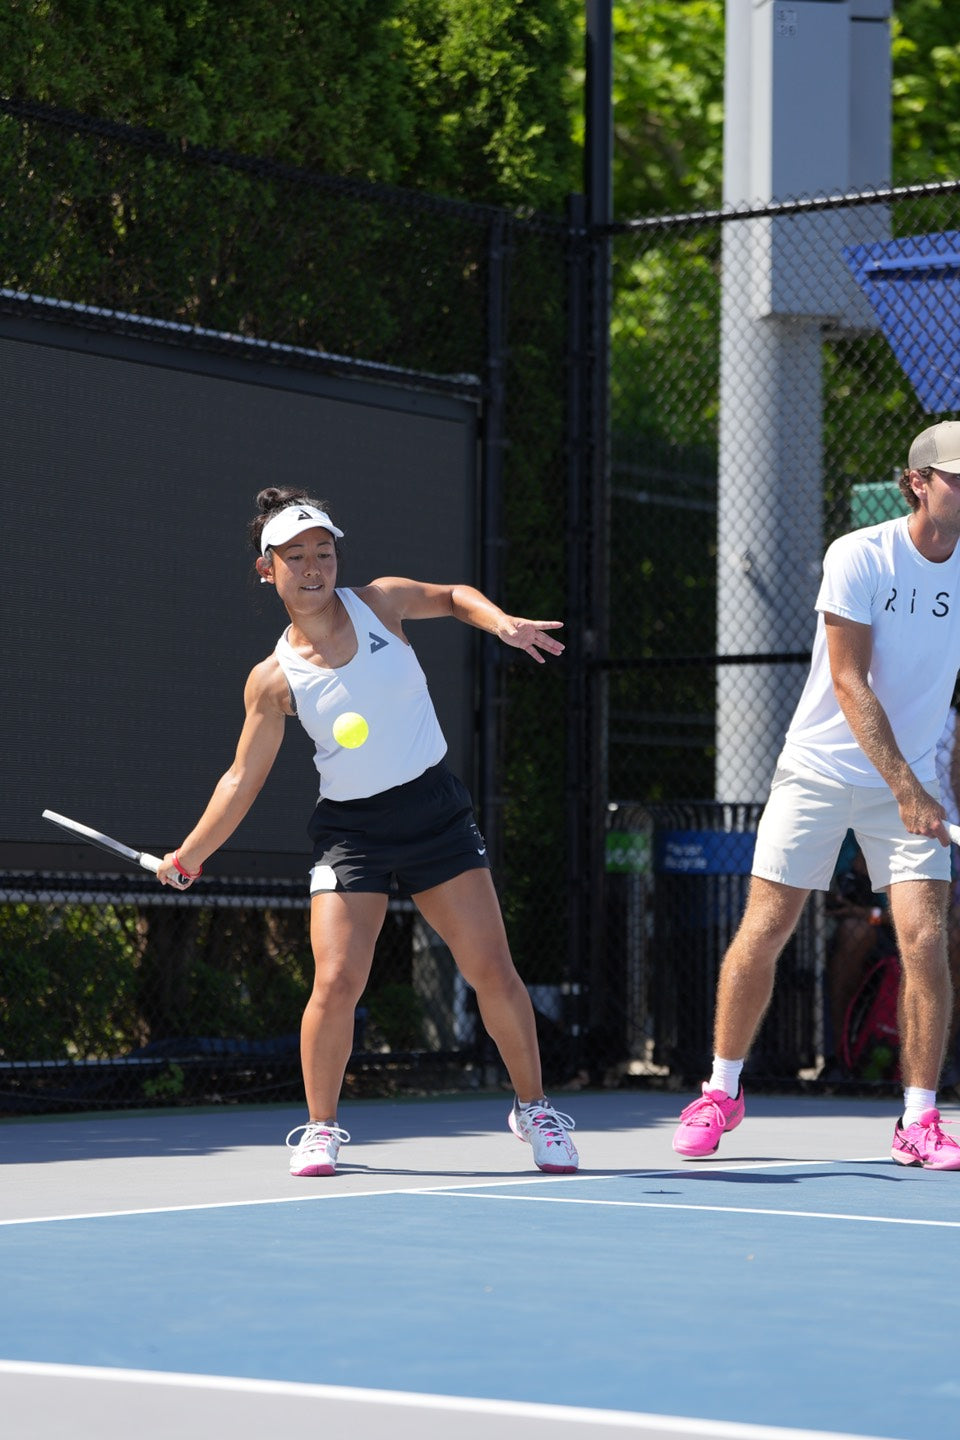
{"points": [[313, 1199], [520, 1409], [467, 1187], [713, 1209]]}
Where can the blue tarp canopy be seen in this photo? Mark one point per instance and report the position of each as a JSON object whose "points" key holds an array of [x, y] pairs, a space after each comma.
{"points": [[913, 286]]}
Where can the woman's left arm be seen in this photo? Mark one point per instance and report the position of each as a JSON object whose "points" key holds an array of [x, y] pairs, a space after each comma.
{"points": [[418, 600]]}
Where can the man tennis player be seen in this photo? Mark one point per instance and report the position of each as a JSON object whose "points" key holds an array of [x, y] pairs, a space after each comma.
{"points": [[390, 813], [860, 753]]}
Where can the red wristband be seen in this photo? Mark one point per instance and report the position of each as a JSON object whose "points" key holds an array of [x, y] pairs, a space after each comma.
{"points": [[187, 875]]}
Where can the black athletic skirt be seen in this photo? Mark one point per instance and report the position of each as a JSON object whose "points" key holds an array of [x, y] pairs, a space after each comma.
{"points": [[400, 842]]}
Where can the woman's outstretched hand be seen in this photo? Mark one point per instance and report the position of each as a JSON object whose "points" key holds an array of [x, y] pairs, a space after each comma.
{"points": [[531, 636]]}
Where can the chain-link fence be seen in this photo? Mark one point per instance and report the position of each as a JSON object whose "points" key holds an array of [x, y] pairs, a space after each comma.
{"points": [[116, 995], [109, 995], [770, 368], [766, 372]]}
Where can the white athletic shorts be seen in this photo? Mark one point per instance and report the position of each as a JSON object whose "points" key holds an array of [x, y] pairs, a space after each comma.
{"points": [[806, 818]]}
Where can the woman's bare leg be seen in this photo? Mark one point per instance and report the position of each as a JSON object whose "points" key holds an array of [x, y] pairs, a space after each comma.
{"points": [[343, 933], [465, 913]]}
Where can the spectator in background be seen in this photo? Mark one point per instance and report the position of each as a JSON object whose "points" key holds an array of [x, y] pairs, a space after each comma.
{"points": [[861, 933]]}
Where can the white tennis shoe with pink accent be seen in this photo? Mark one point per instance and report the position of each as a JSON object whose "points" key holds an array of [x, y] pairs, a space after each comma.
{"points": [[317, 1149], [547, 1130]]}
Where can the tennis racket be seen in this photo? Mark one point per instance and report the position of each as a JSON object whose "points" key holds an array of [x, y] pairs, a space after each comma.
{"points": [[106, 842]]}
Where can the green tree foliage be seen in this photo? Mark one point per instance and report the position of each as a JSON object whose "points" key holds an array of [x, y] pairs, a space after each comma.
{"points": [[490, 82], [926, 92], [316, 85], [67, 982], [668, 102], [668, 141], [460, 97], [668, 106], [464, 98]]}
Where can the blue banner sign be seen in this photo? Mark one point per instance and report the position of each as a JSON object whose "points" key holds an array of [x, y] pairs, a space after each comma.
{"points": [[703, 852]]}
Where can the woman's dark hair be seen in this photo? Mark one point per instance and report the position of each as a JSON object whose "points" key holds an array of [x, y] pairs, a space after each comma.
{"points": [[275, 498], [907, 490]]}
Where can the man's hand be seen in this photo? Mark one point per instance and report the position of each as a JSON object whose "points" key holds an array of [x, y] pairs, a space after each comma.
{"points": [[922, 815]]}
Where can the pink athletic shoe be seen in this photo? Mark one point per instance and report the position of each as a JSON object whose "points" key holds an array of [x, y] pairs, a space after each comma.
{"points": [[705, 1120], [924, 1143]]}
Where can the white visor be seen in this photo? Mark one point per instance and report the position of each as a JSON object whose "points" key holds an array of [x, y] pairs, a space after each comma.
{"points": [[292, 521]]}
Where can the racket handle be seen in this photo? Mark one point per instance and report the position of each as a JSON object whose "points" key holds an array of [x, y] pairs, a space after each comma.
{"points": [[153, 862], [954, 832]]}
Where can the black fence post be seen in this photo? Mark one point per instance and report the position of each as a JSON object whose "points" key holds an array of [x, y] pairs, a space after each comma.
{"points": [[577, 768], [600, 1011], [491, 530]]}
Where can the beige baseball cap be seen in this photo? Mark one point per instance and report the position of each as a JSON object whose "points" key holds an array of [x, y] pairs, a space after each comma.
{"points": [[939, 446]]}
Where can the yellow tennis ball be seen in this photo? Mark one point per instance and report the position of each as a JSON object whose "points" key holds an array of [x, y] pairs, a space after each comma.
{"points": [[350, 730]]}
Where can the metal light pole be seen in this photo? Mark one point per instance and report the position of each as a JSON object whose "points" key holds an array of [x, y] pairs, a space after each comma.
{"points": [[807, 96], [588, 525]]}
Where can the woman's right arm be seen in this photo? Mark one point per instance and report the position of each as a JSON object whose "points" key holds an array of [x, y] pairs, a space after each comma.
{"points": [[264, 698]]}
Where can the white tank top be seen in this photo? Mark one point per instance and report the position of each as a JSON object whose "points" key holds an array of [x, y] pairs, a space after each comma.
{"points": [[386, 685]]}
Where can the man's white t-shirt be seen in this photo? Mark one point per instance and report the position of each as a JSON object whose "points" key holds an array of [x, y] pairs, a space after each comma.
{"points": [[877, 577]]}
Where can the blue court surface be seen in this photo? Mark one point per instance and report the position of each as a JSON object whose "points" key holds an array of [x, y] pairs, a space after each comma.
{"points": [[163, 1275]]}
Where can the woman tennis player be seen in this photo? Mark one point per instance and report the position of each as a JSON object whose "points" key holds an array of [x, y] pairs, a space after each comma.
{"points": [[390, 812]]}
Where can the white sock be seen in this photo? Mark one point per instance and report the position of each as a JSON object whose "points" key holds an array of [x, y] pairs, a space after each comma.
{"points": [[915, 1101], [725, 1075]]}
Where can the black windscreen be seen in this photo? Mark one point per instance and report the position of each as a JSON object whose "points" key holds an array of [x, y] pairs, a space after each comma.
{"points": [[131, 611]]}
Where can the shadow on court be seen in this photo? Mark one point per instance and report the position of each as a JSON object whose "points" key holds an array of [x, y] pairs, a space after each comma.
{"points": [[617, 1132], [797, 1177], [221, 1130]]}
